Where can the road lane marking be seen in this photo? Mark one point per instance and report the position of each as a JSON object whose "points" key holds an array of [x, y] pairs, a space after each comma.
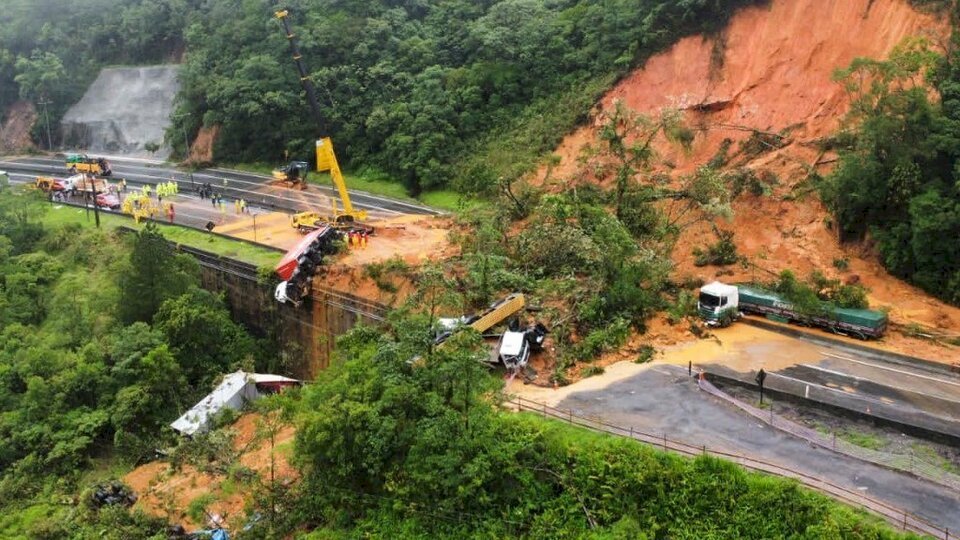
{"points": [[887, 368]]}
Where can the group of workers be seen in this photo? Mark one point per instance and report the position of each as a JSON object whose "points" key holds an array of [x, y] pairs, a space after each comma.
{"points": [[357, 239], [167, 189]]}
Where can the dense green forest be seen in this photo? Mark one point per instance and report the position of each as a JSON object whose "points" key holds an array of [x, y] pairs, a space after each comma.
{"points": [[456, 92], [461, 91], [103, 341], [51, 50], [898, 181]]}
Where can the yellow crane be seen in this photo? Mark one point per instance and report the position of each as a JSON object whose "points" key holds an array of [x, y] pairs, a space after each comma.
{"points": [[347, 217]]}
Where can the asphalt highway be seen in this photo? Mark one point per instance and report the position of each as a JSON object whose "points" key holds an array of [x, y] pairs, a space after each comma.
{"points": [[254, 188], [663, 399]]}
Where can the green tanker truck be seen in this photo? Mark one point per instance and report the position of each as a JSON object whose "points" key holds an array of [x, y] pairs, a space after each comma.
{"points": [[720, 304]]}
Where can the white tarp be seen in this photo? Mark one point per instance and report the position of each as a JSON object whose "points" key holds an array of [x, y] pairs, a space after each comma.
{"points": [[235, 391]]}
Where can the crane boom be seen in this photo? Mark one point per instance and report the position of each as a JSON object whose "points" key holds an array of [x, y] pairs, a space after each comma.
{"points": [[302, 70], [326, 158], [327, 161]]}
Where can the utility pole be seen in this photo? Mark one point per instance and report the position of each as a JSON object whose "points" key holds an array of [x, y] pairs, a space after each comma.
{"points": [[43, 101], [93, 190]]}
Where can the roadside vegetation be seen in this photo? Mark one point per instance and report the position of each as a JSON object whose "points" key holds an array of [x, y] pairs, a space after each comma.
{"points": [[897, 182], [398, 450], [70, 215], [104, 339]]}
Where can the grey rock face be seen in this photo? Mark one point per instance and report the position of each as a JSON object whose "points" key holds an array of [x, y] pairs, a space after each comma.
{"points": [[122, 111]]}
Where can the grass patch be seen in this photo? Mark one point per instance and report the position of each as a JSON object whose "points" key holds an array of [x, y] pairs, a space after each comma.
{"points": [[16, 524], [863, 440], [449, 200], [930, 455], [224, 247]]}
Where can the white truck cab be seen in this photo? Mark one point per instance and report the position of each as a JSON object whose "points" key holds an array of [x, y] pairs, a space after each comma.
{"points": [[514, 349], [280, 293], [718, 304]]}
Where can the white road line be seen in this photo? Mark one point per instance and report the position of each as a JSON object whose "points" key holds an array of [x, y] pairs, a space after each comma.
{"points": [[887, 368], [832, 372], [865, 397], [900, 388]]}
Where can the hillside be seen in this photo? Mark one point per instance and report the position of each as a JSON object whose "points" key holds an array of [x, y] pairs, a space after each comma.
{"points": [[771, 71], [406, 425]]}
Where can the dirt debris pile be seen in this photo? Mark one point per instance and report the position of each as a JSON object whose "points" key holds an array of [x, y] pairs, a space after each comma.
{"points": [[768, 78]]}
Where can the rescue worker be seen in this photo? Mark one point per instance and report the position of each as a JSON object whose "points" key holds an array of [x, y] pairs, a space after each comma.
{"points": [[236, 206]]}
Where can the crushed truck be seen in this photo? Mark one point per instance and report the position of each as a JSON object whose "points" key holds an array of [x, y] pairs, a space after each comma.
{"points": [[297, 267], [720, 304], [48, 184], [516, 343], [85, 183], [311, 221], [82, 163]]}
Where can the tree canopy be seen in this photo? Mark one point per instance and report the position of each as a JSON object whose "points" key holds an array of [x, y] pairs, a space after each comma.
{"points": [[898, 181]]}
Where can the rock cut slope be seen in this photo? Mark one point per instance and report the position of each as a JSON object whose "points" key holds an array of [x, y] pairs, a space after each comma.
{"points": [[123, 111]]}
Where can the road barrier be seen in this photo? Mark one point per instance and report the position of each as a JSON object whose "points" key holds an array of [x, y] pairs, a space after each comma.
{"points": [[909, 464], [899, 518]]}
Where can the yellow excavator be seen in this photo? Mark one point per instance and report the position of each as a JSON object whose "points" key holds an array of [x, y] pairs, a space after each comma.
{"points": [[341, 218]]}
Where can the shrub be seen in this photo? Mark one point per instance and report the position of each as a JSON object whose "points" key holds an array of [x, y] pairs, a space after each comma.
{"points": [[685, 306], [197, 509], [590, 371], [722, 253], [602, 340]]}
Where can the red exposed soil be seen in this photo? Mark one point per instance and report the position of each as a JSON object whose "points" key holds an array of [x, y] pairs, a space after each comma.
{"points": [[15, 132], [201, 151], [167, 493], [775, 76], [776, 69]]}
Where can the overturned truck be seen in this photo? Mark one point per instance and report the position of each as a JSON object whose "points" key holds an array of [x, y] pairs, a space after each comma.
{"points": [[298, 266]]}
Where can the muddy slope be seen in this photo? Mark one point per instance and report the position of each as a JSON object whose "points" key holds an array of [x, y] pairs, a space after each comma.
{"points": [[771, 70], [15, 131]]}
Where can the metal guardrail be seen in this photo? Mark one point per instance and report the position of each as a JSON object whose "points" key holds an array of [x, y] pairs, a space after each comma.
{"points": [[908, 464], [361, 306], [897, 517]]}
